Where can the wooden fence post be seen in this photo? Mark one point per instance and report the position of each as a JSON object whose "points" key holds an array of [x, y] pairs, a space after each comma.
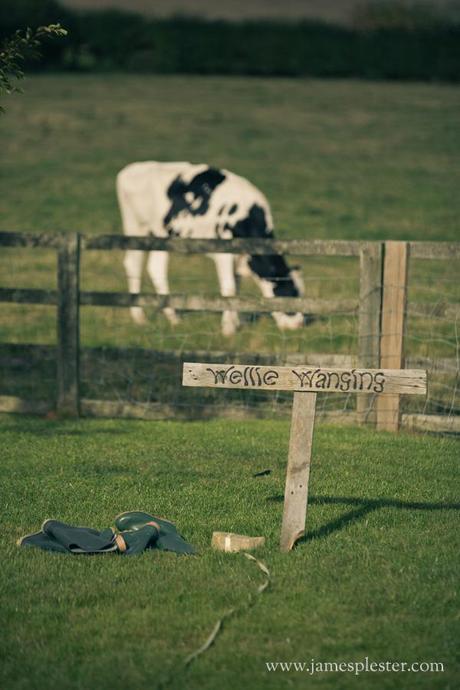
{"points": [[68, 326], [393, 327], [370, 308]]}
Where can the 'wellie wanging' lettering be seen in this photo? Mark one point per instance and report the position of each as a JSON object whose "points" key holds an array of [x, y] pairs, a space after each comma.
{"points": [[345, 381], [350, 380], [249, 376]]}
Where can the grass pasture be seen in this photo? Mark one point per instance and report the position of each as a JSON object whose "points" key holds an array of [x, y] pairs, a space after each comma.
{"points": [[352, 160], [376, 575]]}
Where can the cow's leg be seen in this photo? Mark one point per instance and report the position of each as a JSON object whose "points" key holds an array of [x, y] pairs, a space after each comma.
{"points": [[133, 260], [133, 263], [242, 267], [225, 266], [157, 267]]}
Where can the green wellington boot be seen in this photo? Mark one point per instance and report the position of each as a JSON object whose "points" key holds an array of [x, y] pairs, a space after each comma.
{"points": [[134, 542], [63, 538], [169, 538]]}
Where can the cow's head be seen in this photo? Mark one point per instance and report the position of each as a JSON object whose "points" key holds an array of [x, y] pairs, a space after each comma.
{"points": [[271, 271], [277, 279]]}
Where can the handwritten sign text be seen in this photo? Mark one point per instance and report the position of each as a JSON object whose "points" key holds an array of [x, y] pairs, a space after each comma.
{"points": [[305, 378]]}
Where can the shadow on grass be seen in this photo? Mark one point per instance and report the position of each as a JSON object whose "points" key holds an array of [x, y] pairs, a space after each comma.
{"points": [[364, 506]]}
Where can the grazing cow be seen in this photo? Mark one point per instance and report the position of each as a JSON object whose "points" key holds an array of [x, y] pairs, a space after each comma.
{"points": [[197, 201]]}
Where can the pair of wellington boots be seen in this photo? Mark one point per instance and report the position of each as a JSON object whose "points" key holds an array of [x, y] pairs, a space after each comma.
{"points": [[136, 532]]}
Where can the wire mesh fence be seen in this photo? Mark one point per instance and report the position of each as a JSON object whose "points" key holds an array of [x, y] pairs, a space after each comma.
{"points": [[432, 336], [148, 371], [135, 371]]}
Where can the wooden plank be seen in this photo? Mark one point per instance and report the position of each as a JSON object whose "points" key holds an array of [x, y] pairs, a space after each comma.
{"points": [[28, 296], [298, 469], [219, 304], [234, 246], [16, 405], [126, 409], [446, 424], [393, 326], [50, 240], [419, 250], [435, 250], [370, 306], [311, 379], [185, 302], [68, 327]]}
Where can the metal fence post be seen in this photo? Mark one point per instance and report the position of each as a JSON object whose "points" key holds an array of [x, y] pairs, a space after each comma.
{"points": [[68, 326], [370, 308]]}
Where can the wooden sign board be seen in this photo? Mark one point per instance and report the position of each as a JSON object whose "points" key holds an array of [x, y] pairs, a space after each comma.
{"points": [[305, 382], [305, 379]]}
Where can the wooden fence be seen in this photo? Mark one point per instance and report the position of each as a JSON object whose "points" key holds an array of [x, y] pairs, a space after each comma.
{"points": [[381, 309]]}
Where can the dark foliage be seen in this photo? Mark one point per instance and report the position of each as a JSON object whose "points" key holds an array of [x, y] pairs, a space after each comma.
{"points": [[110, 39]]}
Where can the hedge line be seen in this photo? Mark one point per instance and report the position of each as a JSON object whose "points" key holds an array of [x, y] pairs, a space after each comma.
{"points": [[106, 40]]}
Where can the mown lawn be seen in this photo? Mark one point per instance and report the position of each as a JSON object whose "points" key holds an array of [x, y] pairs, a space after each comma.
{"points": [[375, 577]]}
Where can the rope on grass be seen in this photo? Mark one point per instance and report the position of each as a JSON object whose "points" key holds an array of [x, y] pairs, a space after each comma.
{"points": [[171, 676], [219, 624]]}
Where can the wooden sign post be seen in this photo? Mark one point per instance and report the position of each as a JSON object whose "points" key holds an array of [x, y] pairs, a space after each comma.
{"points": [[305, 382]]}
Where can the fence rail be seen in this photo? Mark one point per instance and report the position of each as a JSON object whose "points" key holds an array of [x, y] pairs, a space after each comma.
{"points": [[380, 308], [54, 240], [184, 302], [196, 303]]}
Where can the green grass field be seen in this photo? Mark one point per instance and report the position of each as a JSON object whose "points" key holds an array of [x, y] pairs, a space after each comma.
{"points": [[376, 575], [337, 159]]}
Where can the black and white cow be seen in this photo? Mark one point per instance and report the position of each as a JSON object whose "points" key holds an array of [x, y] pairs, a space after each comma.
{"points": [[197, 201]]}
